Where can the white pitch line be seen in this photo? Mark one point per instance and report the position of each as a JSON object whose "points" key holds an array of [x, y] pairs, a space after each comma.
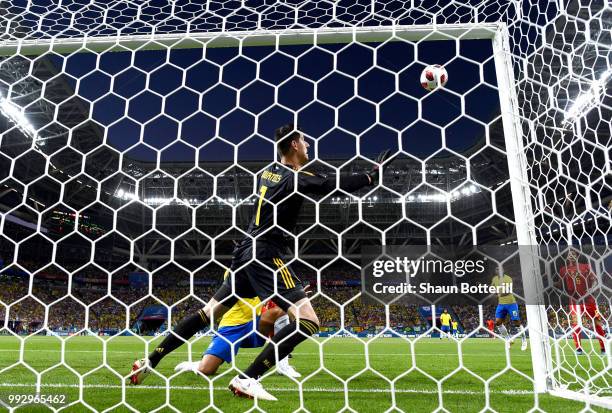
{"points": [[418, 353], [277, 389]]}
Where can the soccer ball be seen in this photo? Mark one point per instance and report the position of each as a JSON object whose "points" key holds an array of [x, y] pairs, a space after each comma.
{"points": [[433, 76]]}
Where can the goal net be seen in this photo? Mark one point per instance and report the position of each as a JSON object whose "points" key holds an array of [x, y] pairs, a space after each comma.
{"points": [[132, 135]]}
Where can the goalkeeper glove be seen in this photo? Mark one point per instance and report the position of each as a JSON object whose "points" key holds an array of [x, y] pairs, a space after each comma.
{"points": [[375, 171]]}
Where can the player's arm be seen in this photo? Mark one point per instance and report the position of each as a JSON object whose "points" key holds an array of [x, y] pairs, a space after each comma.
{"points": [[591, 278], [316, 184], [558, 281]]}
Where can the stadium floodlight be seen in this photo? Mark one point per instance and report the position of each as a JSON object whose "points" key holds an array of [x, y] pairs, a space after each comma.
{"points": [[589, 99], [466, 191], [128, 196], [125, 195], [12, 112]]}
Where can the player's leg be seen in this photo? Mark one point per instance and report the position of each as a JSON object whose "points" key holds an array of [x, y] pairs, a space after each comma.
{"points": [[518, 325], [293, 301], [185, 329], [576, 325], [599, 330], [188, 326], [269, 316], [224, 347], [273, 319], [500, 316], [207, 366], [601, 335], [214, 310], [283, 367], [515, 318], [304, 322]]}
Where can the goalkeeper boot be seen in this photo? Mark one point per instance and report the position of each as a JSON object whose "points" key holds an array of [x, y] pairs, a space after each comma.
{"points": [[285, 369], [523, 345], [579, 352], [140, 371], [250, 389]]}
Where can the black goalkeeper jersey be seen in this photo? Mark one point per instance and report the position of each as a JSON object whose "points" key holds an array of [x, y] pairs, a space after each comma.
{"points": [[276, 186]]}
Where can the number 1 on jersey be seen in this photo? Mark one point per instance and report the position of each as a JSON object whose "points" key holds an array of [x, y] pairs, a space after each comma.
{"points": [[262, 194]]}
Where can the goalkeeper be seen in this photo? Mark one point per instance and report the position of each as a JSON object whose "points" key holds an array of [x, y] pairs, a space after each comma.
{"points": [[279, 187]]}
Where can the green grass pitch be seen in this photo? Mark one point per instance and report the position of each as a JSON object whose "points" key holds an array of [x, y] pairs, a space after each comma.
{"points": [[403, 372]]}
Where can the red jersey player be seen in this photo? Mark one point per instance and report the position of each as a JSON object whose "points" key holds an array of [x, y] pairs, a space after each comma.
{"points": [[576, 280], [491, 327]]}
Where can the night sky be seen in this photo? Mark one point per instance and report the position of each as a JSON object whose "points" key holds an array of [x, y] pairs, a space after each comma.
{"points": [[223, 84]]}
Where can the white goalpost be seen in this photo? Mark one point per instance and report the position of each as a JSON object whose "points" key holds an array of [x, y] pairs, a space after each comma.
{"points": [[537, 322], [559, 196]]}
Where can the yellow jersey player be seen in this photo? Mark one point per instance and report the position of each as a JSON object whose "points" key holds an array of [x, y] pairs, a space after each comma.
{"points": [[506, 305], [445, 320], [238, 329], [454, 328]]}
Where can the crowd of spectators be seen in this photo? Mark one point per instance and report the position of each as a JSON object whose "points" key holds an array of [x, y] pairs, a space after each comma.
{"points": [[343, 307], [92, 299], [121, 309]]}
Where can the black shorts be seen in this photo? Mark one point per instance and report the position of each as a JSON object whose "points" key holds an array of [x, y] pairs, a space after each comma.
{"points": [[268, 277]]}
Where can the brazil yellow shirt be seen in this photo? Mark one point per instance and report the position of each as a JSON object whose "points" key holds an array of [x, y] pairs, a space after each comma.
{"points": [[241, 312], [499, 281], [445, 318], [455, 325]]}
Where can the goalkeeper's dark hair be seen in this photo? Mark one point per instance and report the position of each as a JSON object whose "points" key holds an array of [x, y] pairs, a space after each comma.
{"points": [[284, 136]]}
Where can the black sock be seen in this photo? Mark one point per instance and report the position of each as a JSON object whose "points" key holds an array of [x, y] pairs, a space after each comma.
{"points": [[289, 337], [185, 329]]}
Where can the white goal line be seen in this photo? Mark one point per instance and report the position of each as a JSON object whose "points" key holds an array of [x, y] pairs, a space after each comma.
{"points": [[277, 389], [370, 353]]}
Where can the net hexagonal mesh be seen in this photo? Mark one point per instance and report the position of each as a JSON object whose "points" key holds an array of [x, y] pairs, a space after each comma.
{"points": [[133, 139]]}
